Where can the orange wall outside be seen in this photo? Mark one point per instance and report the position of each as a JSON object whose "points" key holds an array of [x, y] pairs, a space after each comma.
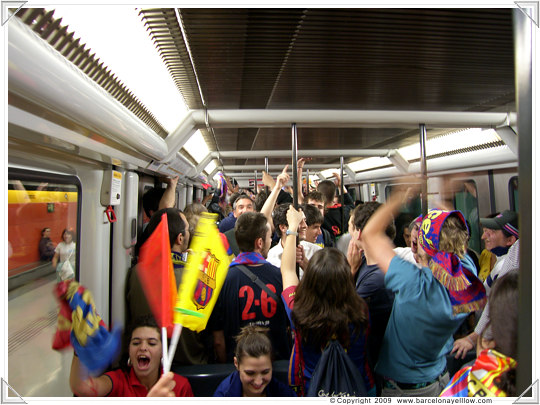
{"points": [[25, 222]]}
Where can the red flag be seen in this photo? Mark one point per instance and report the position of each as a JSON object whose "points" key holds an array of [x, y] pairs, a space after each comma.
{"points": [[156, 275]]}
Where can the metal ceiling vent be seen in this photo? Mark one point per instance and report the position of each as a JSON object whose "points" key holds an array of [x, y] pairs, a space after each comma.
{"points": [[51, 30]]}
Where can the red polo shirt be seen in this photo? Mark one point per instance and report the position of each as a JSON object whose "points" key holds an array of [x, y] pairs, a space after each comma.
{"points": [[128, 385]]}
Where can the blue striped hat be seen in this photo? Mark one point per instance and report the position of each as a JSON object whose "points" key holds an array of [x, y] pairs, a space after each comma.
{"points": [[506, 220]]}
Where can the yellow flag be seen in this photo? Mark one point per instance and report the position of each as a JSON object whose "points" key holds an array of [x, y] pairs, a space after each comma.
{"points": [[203, 276]]}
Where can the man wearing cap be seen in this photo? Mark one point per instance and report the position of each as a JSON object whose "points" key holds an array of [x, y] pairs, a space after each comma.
{"points": [[500, 233]]}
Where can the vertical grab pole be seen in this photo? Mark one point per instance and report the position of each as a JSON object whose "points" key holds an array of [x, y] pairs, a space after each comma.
{"points": [[307, 181], [342, 195], [295, 180], [295, 166], [423, 168], [523, 56], [256, 174], [266, 170]]}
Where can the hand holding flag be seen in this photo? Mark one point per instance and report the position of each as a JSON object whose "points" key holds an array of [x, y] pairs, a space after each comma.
{"points": [[156, 275]]}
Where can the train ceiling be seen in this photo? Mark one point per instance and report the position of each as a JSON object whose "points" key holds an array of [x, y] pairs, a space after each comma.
{"points": [[358, 63], [451, 60]]}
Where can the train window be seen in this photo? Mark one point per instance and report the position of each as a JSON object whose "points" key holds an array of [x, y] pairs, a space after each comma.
{"points": [[407, 213], [513, 193], [466, 201], [43, 219]]}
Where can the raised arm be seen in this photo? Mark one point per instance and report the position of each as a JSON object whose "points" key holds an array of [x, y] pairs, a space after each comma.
{"points": [[376, 244], [270, 202], [288, 259], [300, 168], [267, 180], [169, 196], [83, 385]]}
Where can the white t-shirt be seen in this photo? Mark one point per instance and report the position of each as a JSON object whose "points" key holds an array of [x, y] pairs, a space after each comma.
{"points": [[65, 250], [406, 254], [274, 254]]}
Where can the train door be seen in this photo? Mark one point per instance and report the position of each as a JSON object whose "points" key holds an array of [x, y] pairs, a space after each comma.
{"points": [[44, 226]]}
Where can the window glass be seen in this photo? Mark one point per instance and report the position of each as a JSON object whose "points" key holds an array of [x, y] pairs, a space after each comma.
{"points": [[39, 211], [465, 200], [408, 212], [513, 194]]}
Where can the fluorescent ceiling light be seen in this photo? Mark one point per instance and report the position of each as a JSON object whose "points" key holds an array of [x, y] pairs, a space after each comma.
{"points": [[119, 39], [369, 163], [210, 167], [446, 143], [329, 172], [196, 146]]}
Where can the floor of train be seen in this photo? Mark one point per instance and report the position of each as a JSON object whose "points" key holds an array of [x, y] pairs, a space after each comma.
{"points": [[34, 368]]}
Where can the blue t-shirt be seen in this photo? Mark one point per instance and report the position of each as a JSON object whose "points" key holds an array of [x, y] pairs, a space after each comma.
{"points": [[421, 325], [370, 286], [227, 223]]}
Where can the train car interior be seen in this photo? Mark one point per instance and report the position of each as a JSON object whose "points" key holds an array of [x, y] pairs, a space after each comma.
{"points": [[373, 94]]}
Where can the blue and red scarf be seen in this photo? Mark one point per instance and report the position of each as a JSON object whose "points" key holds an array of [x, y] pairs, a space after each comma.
{"points": [[479, 379], [467, 293], [248, 258], [80, 325]]}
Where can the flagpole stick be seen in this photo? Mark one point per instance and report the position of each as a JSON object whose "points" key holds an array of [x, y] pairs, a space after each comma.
{"points": [[174, 342], [164, 347]]}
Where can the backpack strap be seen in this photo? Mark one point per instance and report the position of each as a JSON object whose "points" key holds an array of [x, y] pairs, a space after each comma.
{"points": [[258, 281]]}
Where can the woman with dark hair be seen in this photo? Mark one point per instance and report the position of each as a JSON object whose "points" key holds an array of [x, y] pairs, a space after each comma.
{"points": [[430, 302], [493, 374], [322, 306], [253, 358], [65, 251], [140, 374]]}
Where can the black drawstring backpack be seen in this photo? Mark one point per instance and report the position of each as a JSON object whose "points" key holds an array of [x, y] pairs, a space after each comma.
{"points": [[335, 375]]}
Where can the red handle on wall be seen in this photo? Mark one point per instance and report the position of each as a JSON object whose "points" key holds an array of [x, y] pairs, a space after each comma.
{"points": [[110, 214]]}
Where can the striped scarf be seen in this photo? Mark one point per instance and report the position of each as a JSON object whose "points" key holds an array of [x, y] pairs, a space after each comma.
{"points": [[248, 258], [467, 293]]}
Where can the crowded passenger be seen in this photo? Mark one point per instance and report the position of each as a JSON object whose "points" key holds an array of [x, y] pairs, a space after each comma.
{"points": [[493, 373], [322, 306], [242, 203], [192, 346], [501, 236], [314, 220], [139, 373], [333, 210], [193, 212], [487, 259], [305, 249], [430, 303], [253, 377], [315, 199], [369, 278], [410, 253], [247, 295], [157, 198]]}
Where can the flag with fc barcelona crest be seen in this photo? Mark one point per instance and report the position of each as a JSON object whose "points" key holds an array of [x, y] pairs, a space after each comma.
{"points": [[203, 276]]}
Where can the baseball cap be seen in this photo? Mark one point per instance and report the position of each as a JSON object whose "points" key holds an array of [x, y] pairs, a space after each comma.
{"points": [[507, 220]]}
